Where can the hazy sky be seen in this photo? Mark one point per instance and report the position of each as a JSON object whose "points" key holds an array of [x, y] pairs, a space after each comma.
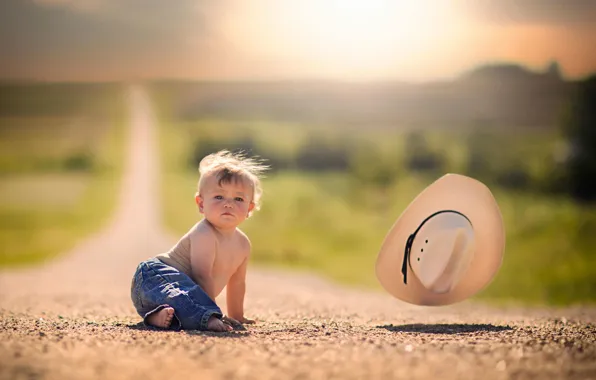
{"points": [[270, 39]]}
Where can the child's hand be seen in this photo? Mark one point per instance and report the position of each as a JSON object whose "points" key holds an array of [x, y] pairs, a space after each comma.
{"points": [[237, 322], [248, 321], [231, 321], [217, 325]]}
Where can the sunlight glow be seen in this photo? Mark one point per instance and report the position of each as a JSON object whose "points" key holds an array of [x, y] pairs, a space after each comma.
{"points": [[363, 37], [364, 27], [348, 38]]}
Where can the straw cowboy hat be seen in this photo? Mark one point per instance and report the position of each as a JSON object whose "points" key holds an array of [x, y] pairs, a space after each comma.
{"points": [[446, 246]]}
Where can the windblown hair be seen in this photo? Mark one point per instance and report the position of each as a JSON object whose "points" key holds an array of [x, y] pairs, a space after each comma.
{"points": [[230, 167]]}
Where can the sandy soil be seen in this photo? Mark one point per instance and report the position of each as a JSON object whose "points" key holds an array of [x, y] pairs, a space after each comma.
{"points": [[72, 317]]}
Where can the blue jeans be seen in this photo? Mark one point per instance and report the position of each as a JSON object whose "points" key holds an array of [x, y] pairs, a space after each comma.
{"points": [[156, 285]]}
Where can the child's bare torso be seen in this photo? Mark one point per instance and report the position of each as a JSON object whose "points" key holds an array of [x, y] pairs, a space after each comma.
{"points": [[229, 255], [202, 239]]}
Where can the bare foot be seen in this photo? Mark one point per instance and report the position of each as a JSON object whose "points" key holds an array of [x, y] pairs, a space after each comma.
{"points": [[162, 318], [217, 325]]}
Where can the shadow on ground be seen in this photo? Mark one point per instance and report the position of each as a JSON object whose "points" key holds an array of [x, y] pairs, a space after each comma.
{"points": [[445, 328], [238, 332]]}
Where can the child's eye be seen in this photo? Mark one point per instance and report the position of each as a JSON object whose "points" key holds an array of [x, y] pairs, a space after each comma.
{"points": [[218, 197], [238, 199]]}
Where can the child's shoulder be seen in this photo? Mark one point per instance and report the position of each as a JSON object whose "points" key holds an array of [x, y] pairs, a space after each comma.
{"points": [[243, 239], [202, 230]]}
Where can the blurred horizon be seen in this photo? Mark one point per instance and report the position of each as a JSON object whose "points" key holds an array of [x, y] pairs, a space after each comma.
{"points": [[498, 68], [265, 40]]}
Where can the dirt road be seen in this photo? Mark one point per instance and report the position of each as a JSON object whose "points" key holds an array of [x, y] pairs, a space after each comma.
{"points": [[73, 319]]}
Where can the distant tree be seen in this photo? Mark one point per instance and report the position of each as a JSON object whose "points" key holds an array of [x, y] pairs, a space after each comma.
{"points": [[418, 156], [515, 177], [370, 167], [579, 128], [480, 156], [80, 161], [491, 159], [553, 70], [319, 154], [205, 146]]}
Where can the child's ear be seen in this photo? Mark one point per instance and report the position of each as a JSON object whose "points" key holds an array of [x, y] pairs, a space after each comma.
{"points": [[251, 206], [199, 201]]}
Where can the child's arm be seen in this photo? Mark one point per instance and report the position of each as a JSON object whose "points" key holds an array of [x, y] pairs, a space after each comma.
{"points": [[236, 288], [202, 255]]}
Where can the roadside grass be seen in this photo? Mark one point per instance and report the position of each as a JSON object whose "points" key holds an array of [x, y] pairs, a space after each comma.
{"points": [[333, 224], [61, 153]]}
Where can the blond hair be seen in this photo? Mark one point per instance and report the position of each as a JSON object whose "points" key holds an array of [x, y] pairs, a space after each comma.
{"points": [[230, 167]]}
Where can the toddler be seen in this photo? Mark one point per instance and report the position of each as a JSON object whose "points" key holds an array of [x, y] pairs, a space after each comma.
{"points": [[177, 289]]}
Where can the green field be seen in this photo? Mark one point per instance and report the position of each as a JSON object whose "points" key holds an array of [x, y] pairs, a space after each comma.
{"points": [[332, 220], [61, 152]]}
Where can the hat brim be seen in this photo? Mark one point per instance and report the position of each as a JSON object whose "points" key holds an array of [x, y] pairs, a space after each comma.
{"points": [[450, 192]]}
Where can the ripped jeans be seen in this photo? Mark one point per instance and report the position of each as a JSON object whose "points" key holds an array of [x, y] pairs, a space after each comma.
{"points": [[156, 285]]}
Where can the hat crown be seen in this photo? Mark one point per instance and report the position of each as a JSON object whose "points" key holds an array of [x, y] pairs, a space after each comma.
{"points": [[442, 250], [480, 245]]}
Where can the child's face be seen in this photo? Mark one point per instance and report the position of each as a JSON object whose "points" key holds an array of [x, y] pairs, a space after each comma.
{"points": [[225, 206]]}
